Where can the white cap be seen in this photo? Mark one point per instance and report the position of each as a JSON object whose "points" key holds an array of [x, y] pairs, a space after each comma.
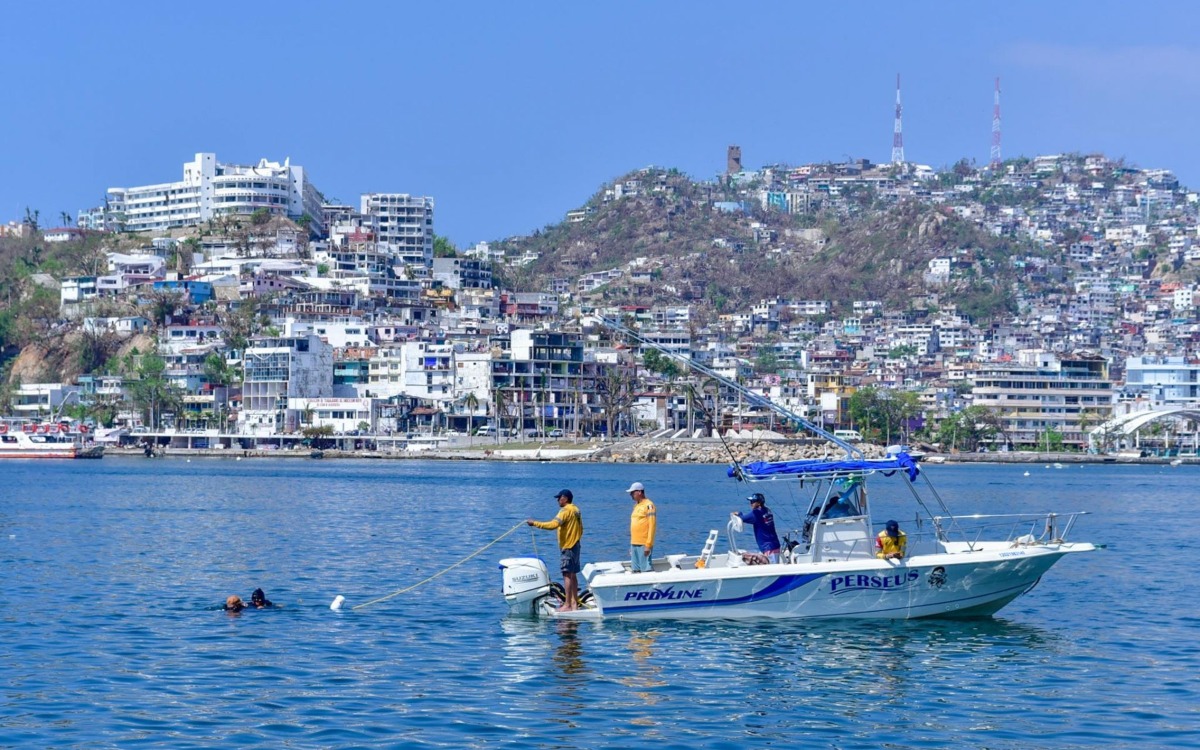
{"points": [[636, 486]]}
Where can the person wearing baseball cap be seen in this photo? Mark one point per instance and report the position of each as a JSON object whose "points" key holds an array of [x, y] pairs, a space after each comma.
{"points": [[763, 520], [643, 522], [569, 523], [890, 543]]}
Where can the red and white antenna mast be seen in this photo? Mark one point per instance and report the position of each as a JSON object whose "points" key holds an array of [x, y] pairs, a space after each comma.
{"points": [[995, 157], [898, 132]]}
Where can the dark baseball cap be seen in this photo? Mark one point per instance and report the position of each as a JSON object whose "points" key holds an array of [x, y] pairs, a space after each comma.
{"points": [[564, 493], [757, 497], [893, 528]]}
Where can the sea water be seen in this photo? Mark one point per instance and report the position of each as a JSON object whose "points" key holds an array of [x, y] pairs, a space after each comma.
{"points": [[114, 573]]}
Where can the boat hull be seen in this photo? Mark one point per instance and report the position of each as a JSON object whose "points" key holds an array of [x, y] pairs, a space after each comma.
{"points": [[941, 585], [26, 441], [51, 450]]}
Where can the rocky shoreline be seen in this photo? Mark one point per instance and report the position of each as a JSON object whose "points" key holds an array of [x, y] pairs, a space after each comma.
{"points": [[715, 452], [666, 451]]}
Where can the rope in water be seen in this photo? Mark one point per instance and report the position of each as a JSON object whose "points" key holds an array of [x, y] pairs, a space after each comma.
{"points": [[441, 572]]}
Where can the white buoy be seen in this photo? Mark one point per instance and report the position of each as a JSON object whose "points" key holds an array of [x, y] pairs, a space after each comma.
{"points": [[1027, 473], [337, 602]]}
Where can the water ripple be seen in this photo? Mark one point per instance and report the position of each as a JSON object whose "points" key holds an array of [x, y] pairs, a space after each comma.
{"points": [[113, 634]]}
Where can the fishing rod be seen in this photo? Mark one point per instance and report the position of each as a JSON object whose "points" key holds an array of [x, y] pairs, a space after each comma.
{"points": [[751, 396]]}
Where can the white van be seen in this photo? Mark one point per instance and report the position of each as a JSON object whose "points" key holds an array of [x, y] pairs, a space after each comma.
{"points": [[850, 436]]}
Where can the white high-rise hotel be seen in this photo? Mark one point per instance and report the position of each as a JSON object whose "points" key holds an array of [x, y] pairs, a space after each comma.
{"points": [[210, 189]]}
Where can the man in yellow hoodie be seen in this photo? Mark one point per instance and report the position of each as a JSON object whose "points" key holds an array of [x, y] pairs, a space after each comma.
{"points": [[642, 524], [569, 523]]}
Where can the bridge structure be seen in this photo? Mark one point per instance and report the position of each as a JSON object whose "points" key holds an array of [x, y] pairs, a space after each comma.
{"points": [[1125, 425]]}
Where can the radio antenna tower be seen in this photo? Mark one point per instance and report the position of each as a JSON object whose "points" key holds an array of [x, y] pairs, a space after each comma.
{"points": [[898, 132], [995, 160]]}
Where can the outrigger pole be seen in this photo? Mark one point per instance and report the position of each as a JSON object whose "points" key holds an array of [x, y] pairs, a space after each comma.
{"points": [[751, 396]]}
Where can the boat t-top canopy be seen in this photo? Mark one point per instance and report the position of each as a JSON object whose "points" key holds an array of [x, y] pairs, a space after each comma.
{"points": [[824, 468]]}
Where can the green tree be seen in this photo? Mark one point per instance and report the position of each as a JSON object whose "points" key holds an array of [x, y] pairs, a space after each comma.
{"points": [[443, 247], [218, 371], [149, 387], [881, 413], [655, 361], [319, 437], [243, 322], [969, 428], [767, 361], [471, 401]]}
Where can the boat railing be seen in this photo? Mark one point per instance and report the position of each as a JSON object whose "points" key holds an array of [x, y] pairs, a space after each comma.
{"points": [[1014, 528]]}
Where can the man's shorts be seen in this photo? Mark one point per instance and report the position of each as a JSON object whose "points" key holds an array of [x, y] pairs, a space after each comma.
{"points": [[570, 559]]}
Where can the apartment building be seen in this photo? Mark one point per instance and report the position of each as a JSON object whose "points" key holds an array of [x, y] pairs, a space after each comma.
{"points": [[402, 225], [416, 369], [279, 368], [542, 379], [1045, 391], [463, 273], [1163, 381]]}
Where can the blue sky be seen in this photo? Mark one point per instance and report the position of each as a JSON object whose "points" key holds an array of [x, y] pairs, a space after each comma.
{"points": [[511, 114]]}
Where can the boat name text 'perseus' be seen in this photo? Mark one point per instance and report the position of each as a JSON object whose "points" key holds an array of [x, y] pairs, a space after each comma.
{"points": [[855, 582]]}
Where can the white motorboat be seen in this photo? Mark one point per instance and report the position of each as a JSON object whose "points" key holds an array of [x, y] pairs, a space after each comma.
{"points": [[831, 570], [48, 440], [953, 566]]}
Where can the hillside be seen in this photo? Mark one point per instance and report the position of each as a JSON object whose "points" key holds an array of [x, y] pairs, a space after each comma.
{"points": [[726, 260]]}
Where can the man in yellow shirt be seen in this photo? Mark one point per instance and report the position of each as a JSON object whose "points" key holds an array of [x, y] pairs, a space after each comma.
{"points": [[642, 524], [890, 544], [569, 523]]}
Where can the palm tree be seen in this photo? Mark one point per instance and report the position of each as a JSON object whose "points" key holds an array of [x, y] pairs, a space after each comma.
{"points": [[471, 401], [501, 408]]}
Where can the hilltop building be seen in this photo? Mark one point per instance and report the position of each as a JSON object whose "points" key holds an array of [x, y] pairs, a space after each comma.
{"points": [[210, 189]]}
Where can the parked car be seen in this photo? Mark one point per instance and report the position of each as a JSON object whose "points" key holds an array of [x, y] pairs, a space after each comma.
{"points": [[556, 433]]}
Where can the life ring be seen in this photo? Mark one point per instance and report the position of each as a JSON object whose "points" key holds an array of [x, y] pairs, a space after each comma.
{"points": [[29, 428], [46, 428], [3, 429], [64, 428], [83, 428]]}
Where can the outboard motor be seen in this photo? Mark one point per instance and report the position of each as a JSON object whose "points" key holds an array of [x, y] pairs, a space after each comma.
{"points": [[526, 582]]}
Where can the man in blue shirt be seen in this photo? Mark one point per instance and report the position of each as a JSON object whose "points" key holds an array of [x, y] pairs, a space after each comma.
{"points": [[763, 521]]}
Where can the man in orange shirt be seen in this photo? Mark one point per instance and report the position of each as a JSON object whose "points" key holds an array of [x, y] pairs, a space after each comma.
{"points": [[642, 524]]}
